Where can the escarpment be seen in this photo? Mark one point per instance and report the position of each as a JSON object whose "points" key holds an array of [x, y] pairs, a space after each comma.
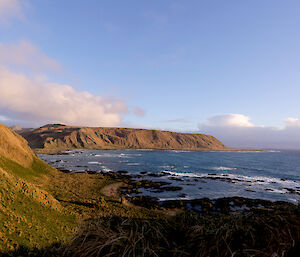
{"points": [[56, 136]]}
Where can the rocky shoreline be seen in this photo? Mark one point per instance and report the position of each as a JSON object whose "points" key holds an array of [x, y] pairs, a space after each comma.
{"points": [[135, 185], [131, 187]]}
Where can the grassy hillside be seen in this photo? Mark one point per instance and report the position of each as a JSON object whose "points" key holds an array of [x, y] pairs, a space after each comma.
{"points": [[40, 206], [15, 147], [29, 216]]}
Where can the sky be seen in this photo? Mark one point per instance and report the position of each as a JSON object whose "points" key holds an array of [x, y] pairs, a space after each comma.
{"points": [[226, 68]]}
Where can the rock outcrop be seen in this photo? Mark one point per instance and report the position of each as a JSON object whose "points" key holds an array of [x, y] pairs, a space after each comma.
{"points": [[59, 137]]}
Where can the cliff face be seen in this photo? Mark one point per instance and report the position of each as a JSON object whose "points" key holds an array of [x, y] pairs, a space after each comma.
{"points": [[67, 137]]}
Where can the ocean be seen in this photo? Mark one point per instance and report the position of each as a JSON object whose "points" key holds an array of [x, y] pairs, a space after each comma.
{"points": [[269, 175]]}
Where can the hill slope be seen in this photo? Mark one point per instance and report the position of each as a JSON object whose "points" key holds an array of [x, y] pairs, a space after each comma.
{"points": [[29, 216], [67, 137], [14, 147]]}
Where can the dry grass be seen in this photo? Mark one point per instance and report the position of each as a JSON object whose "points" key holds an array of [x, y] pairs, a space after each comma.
{"points": [[37, 203], [260, 233], [14, 147], [83, 195], [59, 137]]}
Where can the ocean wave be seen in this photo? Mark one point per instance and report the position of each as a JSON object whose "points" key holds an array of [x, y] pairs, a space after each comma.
{"points": [[94, 162], [162, 199], [136, 154], [111, 155], [223, 168], [123, 155], [179, 151], [105, 169], [168, 167], [275, 183]]}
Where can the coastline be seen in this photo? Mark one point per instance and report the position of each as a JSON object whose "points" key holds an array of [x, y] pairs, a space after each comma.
{"points": [[64, 150], [178, 181], [200, 226], [203, 206]]}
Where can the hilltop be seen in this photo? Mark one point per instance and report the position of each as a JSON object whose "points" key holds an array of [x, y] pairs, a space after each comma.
{"points": [[60, 137]]}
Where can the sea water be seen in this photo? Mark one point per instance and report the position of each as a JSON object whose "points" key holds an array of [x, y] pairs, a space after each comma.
{"points": [[269, 175]]}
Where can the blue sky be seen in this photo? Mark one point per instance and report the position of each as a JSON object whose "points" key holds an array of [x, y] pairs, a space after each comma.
{"points": [[181, 62]]}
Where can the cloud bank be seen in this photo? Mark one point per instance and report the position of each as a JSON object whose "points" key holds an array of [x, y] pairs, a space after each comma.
{"points": [[36, 100], [9, 9], [236, 130], [31, 98]]}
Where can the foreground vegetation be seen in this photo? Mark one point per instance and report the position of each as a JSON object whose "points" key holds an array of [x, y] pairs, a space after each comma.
{"points": [[43, 208], [259, 233], [45, 212], [29, 216]]}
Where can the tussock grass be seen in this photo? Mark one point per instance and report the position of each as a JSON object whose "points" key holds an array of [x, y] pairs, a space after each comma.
{"points": [[31, 226], [40, 206], [259, 233]]}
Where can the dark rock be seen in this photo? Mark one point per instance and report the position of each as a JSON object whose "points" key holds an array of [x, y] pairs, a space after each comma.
{"points": [[122, 171], [156, 175], [91, 172], [176, 179]]}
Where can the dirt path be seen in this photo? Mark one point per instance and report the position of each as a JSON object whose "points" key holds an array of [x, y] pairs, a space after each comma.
{"points": [[113, 190]]}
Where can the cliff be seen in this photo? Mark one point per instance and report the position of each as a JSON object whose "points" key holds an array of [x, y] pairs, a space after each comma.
{"points": [[59, 137]]}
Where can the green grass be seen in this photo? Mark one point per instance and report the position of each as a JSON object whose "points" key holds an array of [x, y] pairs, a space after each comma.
{"points": [[37, 168], [40, 206], [29, 216], [29, 224]]}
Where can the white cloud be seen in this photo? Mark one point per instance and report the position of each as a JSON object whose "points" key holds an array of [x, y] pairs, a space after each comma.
{"points": [[9, 9], [236, 130], [230, 120], [28, 97], [26, 55], [37, 100], [292, 122]]}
